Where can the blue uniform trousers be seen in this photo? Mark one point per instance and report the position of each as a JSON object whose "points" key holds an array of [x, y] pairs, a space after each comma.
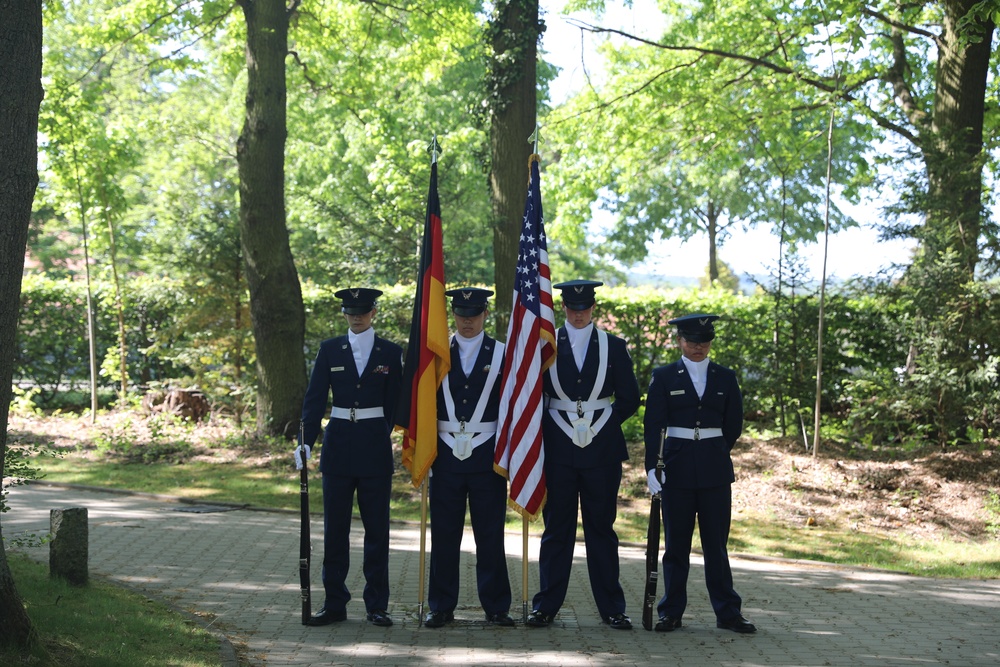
{"points": [[486, 493], [373, 505], [596, 491], [712, 508]]}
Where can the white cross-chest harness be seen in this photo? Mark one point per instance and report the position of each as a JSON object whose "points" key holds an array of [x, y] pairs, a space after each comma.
{"points": [[577, 420], [464, 436]]}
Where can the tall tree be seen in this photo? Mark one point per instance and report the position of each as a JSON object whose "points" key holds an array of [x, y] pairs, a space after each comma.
{"points": [[675, 145], [918, 72], [275, 295], [513, 30], [20, 97], [360, 116]]}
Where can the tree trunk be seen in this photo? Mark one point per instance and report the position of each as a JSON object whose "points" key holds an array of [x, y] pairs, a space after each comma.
{"points": [[712, 227], [953, 155], [954, 152], [276, 311], [20, 97], [514, 32]]}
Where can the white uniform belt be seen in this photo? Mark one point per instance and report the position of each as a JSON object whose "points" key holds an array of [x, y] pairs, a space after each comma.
{"points": [[467, 427], [355, 414], [693, 433], [579, 407]]}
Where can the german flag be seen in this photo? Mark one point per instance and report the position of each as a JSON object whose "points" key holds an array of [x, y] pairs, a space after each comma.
{"points": [[428, 357]]}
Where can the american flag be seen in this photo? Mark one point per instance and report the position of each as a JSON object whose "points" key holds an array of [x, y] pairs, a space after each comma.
{"points": [[530, 350]]}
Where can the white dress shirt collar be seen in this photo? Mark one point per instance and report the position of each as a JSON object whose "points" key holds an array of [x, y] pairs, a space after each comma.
{"points": [[361, 346]]}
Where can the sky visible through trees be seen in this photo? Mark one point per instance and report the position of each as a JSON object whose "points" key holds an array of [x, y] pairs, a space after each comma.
{"points": [[854, 252]]}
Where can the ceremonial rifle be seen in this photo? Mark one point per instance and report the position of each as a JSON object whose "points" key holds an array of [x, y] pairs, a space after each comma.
{"points": [[653, 546], [305, 546]]}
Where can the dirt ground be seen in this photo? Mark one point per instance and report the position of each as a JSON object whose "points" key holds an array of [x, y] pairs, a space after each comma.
{"points": [[925, 494]]}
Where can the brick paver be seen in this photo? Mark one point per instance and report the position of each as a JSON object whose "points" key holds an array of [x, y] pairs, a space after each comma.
{"points": [[241, 567]]}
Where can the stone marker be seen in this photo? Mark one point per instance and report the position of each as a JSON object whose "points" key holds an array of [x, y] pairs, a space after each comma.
{"points": [[69, 548]]}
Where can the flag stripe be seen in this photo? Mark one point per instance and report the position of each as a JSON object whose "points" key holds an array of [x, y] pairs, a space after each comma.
{"points": [[428, 356], [529, 352]]}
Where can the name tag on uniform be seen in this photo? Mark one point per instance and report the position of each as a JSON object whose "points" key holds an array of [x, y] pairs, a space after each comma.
{"points": [[677, 392], [336, 368]]}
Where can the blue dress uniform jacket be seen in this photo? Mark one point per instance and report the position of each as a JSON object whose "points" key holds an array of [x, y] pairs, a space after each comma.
{"points": [[673, 401], [456, 482], [586, 476], [356, 458], [608, 446], [362, 448], [698, 480]]}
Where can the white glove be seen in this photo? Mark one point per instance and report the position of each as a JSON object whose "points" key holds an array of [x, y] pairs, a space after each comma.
{"points": [[653, 483], [301, 456]]}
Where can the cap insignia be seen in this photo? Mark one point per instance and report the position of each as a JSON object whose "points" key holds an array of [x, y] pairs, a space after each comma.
{"points": [[355, 293], [578, 289], [466, 295], [703, 321]]}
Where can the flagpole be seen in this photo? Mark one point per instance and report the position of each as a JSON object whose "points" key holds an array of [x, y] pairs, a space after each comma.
{"points": [[530, 350], [423, 550], [533, 139], [524, 569], [434, 148]]}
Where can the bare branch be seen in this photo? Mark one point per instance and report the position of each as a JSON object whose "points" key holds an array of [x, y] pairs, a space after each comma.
{"points": [[899, 25], [824, 84]]}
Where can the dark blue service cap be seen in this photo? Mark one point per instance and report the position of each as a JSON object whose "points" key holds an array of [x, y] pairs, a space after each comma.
{"points": [[469, 301], [697, 328], [578, 294], [358, 300]]}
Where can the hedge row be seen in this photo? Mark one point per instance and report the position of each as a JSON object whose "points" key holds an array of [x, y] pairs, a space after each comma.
{"points": [[171, 338]]}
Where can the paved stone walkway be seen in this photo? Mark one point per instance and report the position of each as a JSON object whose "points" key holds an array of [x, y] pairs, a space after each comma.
{"points": [[241, 567]]}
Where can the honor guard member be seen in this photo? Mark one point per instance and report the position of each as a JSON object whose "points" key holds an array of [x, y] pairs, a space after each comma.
{"points": [[589, 392], [362, 373], [468, 403], [698, 403]]}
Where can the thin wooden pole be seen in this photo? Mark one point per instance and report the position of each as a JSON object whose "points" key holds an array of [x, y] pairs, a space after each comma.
{"points": [[524, 569], [423, 550]]}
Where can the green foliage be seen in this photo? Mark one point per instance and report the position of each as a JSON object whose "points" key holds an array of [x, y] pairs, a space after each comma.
{"points": [[52, 335], [993, 513], [768, 338], [678, 139], [120, 442], [727, 280], [947, 388], [19, 467]]}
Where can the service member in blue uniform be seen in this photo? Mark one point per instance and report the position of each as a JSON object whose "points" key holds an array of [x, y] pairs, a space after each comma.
{"points": [[468, 403], [589, 392], [362, 373], [698, 404]]}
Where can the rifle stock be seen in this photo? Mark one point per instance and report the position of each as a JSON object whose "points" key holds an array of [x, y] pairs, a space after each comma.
{"points": [[305, 546], [653, 546], [652, 561]]}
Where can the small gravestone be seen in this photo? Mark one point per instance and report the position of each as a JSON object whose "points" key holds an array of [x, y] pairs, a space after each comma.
{"points": [[69, 548]]}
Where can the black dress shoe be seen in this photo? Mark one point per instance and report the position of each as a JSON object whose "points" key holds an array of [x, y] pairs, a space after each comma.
{"points": [[537, 619], [737, 624], [667, 624], [503, 619], [438, 619], [326, 616], [380, 618], [619, 621]]}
